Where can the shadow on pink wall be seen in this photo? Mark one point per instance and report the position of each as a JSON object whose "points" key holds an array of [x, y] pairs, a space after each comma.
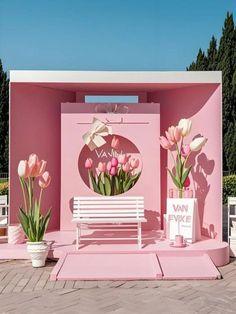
{"points": [[202, 168], [202, 104]]}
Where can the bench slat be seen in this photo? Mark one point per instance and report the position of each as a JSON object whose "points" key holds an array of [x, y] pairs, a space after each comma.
{"points": [[107, 211], [110, 206], [104, 220], [97, 198], [108, 202], [110, 215]]}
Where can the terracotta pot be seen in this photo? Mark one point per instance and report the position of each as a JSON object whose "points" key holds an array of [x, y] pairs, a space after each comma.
{"points": [[38, 252], [15, 234]]}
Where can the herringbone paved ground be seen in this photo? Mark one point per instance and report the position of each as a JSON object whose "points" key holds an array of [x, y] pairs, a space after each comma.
{"points": [[27, 290]]}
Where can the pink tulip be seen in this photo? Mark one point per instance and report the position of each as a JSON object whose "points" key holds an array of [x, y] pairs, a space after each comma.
{"points": [[173, 134], [115, 143], [113, 171], [165, 143], [109, 166], [177, 134], [134, 163], [185, 150], [170, 134], [102, 166], [45, 180], [126, 167], [114, 162], [23, 169], [88, 163], [123, 159], [41, 167], [33, 165], [187, 182]]}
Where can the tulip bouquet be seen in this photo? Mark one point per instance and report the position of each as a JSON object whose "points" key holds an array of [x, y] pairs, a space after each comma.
{"points": [[33, 222], [174, 142], [116, 176]]}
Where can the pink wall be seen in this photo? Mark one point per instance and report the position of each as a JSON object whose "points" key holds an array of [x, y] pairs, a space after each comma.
{"points": [[35, 127], [203, 105], [141, 126]]}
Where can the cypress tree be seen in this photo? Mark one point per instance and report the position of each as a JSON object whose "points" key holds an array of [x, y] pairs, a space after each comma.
{"points": [[200, 64], [212, 55], [224, 59], [192, 67], [227, 63], [4, 100]]}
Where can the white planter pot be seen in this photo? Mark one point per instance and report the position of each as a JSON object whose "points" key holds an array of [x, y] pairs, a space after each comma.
{"points": [[38, 252], [15, 234]]}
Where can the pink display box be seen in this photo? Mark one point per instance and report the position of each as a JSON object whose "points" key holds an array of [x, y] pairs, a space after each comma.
{"points": [[142, 128]]}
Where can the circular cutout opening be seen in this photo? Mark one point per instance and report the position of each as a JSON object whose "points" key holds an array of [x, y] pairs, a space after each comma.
{"points": [[111, 169]]}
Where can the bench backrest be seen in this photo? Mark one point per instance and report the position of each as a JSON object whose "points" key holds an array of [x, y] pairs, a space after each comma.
{"points": [[109, 207]]}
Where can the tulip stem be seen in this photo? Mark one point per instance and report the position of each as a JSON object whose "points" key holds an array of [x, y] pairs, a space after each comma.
{"points": [[23, 190], [30, 194], [187, 158], [40, 197], [172, 156]]}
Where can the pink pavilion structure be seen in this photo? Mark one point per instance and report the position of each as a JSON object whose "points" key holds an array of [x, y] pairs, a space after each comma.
{"points": [[46, 110]]}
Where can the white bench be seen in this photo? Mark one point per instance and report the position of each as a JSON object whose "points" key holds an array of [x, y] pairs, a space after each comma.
{"points": [[109, 210]]}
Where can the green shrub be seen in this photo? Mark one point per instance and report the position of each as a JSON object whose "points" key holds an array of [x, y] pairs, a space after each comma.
{"points": [[3, 188], [229, 187]]}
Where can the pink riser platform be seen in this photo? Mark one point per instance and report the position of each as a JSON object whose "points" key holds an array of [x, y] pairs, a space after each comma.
{"points": [[133, 266], [153, 242]]}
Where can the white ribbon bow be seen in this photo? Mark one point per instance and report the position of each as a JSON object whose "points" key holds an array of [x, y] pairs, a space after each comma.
{"points": [[94, 137]]}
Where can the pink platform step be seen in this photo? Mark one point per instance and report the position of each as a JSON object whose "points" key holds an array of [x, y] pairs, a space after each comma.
{"points": [[195, 266], [110, 266], [134, 266]]}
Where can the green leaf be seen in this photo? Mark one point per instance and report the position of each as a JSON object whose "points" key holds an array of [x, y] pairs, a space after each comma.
{"points": [[135, 177], [94, 184], [128, 185], [179, 167], [23, 218], [185, 175], [107, 185], [101, 187], [117, 185], [175, 180], [44, 225]]}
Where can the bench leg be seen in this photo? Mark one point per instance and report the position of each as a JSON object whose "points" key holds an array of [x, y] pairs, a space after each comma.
{"points": [[77, 236], [139, 235]]}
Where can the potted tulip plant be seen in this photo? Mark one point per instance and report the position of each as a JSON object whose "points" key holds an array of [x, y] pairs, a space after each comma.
{"points": [[33, 222], [180, 152]]}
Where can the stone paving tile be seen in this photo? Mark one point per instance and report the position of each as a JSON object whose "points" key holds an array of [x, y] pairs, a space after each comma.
{"points": [[27, 290]]}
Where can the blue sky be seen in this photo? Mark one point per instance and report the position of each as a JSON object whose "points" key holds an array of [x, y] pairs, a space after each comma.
{"points": [[107, 34]]}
